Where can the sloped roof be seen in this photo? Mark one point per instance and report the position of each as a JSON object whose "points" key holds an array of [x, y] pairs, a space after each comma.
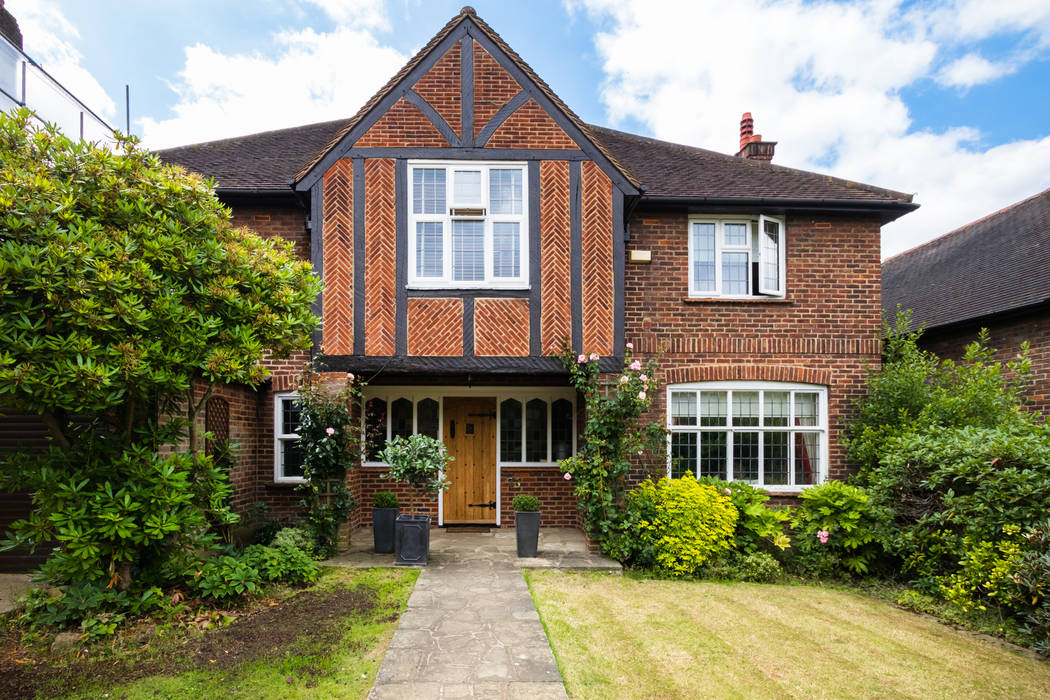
{"points": [[993, 265], [464, 14]]}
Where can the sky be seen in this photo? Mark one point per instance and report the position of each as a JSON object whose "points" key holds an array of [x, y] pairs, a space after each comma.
{"points": [[945, 99]]}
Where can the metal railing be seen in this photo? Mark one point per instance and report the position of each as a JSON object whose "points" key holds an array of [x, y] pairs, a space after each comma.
{"points": [[25, 84]]}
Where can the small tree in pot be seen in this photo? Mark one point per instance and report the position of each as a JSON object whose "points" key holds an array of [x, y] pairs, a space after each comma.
{"points": [[384, 512], [420, 462], [527, 524]]}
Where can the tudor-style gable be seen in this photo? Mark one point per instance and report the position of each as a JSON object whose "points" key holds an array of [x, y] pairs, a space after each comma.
{"points": [[518, 251]]}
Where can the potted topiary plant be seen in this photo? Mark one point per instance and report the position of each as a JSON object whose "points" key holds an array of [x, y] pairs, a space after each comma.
{"points": [[527, 524], [419, 461], [384, 512]]}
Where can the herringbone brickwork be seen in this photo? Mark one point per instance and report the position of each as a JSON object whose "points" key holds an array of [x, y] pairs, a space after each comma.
{"points": [[530, 127], [338, 245], [493, 87], [380, 257], [501, 327], [596, 191], [441, 87], [402, 126], [435, 327], [555, 241]]}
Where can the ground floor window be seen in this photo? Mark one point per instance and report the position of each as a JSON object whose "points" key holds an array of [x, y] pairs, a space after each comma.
{"points": [[536, 427], [287, 456], [769, 434]]}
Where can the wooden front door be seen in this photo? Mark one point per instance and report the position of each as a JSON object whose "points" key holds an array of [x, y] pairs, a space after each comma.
{"points": [[470, 436]]}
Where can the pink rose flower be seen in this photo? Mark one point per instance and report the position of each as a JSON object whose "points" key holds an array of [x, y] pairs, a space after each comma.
{"points": [[630, 346], [594, 357], [636, 365], [644, 377], [330, 431], [641, 452], [350, 376], [568, 476], [581, 359], [624, 379], [727, 491], [641, 395], [822, 535]]}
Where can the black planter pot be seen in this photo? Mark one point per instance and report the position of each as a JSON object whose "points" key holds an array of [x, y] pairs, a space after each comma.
{"points": [[383, 529], [527, 531], [412, 539]]}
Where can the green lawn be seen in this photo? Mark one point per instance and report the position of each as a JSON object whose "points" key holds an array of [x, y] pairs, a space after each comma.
{"points": [[621, 637], [324, 642]]}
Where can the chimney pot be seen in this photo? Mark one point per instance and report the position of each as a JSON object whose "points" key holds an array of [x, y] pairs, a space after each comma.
{"points": [[752, 147]]}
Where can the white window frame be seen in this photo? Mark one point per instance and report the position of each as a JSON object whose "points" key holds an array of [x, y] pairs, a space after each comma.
{"points": [[446, 218], [753, 248], [280, 437], [729, 429]]}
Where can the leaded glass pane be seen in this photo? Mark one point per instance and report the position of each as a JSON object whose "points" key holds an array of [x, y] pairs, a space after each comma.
{"points": [[704, 257], [735, 234], [712, 408], [466, 187], [777, 404], [713, 454], [734, 273], [807, 406], [428, 190], [290, 414], [291, 458], [506, 249], [745, 408], [375, 428], [807, 458], [429, 252], [505, 191], [510, 431], [401, 418], [745, 457], [468, 251], [683, 408], [775, 459], [427, 418], [536, 431], [683, 454], [561, 429]]}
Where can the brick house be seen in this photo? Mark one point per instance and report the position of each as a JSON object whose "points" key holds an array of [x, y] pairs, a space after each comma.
{"points": [[992, 273], [468, 226]]}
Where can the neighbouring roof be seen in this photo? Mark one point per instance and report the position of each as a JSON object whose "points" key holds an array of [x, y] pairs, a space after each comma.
{"points": [[994, 265]]}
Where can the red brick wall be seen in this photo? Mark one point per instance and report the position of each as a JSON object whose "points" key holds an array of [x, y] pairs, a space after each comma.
{"points": [[441, 87], [493, 87], [501, 327], [596, 191], [402, 125], [435, 326], [1006, 337], [824, 332], [380, 256], [530, 127], [338, 258], [274, 221], [555, 281]]}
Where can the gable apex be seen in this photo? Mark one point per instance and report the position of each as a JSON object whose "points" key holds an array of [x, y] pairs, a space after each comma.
{"points": [[465, 36]]}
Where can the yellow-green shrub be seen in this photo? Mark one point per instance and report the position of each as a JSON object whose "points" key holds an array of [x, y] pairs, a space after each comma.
{"points": [[690, 523]]}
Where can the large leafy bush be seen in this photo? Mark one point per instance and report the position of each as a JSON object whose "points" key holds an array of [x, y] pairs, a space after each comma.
{"points": [[835, 530], [759, 527]]}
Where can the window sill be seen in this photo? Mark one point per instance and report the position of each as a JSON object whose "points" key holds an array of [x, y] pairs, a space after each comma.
{"points": [[735, 300], [288, 482], [471, 288]]}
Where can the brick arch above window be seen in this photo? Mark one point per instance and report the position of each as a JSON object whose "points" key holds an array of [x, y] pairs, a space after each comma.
{"points": [[767, 373]]}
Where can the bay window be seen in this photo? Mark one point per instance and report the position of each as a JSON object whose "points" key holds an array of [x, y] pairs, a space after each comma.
{"points": [[736, 257], [769, 434], [468, 224]]}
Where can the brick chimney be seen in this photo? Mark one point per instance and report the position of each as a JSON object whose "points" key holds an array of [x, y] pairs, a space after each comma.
{"points": [[9, 26], [752, 147]]}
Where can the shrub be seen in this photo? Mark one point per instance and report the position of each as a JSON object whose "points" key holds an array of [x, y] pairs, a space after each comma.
{"points": [[292, 538], [384, 499], [758, 525], [419, 461], [91, 606], [526, 503], [692, 522], [835, 522], [282, 564], [756, 567], [1032, 577], [225, 577]]}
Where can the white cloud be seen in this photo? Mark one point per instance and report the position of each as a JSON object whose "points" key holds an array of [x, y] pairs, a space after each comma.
{"points": [[48, 39], [357, 13], [311, 77], [824, 79]]}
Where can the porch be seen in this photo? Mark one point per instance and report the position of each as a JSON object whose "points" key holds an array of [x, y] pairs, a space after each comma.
{"points": [[559, 548]]}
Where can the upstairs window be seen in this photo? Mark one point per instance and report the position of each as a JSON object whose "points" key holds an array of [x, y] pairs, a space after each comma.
{"points": [[736, 257], [468, 225]]}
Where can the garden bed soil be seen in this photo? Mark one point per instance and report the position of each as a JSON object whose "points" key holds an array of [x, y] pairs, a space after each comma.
{"points": [[313, 616]]}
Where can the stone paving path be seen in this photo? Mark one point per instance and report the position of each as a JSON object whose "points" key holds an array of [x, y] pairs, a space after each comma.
{"points": [[470, 631]]}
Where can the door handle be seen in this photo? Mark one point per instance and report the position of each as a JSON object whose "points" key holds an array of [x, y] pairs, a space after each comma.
{"points": [[452, 429]]}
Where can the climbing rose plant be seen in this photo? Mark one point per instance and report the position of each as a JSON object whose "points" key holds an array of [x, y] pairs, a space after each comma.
{"points": [[614, 438]]}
